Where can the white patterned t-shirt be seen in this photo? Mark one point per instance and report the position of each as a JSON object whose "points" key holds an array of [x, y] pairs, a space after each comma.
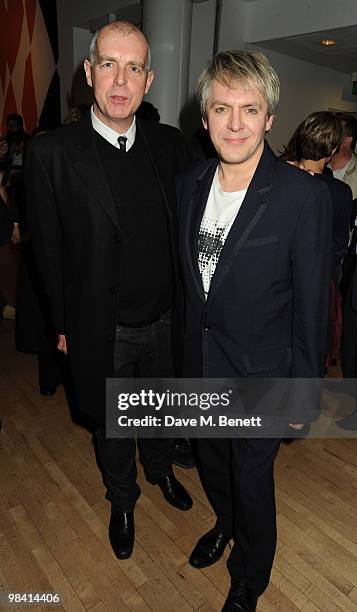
{"points": [[221, 210]]}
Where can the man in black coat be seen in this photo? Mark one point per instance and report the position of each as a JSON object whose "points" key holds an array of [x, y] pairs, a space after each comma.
{"points": [[255, 244], [102, 220]]}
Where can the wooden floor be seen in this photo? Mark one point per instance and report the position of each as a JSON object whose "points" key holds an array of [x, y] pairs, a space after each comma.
{"points": [[53, 518]]}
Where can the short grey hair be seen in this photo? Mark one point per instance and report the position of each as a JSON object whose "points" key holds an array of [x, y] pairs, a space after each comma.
{"points": [[121, 27], [245, 68]]}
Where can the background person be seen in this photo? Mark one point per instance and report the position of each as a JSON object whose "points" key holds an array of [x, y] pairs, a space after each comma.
{"points": [[315, 140]]}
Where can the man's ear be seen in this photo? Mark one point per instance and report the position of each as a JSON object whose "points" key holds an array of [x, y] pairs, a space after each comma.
{"points": [[269, 123], [205, 124], [149, 80], [88, 70]]}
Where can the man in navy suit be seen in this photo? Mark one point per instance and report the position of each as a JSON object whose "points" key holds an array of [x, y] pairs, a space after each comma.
{"points": [[255, 244]]}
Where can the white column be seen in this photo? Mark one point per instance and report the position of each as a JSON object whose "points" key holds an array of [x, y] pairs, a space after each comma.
{"points": [[167, 24]]}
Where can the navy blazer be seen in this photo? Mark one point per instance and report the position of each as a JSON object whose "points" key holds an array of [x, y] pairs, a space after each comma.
{"points": [[266, 313]]}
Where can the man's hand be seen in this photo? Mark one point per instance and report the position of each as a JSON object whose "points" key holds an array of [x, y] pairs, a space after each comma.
{"points": [[62, 344], [15, 237], [296, 425]]}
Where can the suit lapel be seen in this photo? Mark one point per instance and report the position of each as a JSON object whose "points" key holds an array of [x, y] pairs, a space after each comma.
{"points": [[253, 207], [89, 166], [195, 209]]}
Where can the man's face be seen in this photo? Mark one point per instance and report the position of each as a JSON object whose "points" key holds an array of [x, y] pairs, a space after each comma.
{"points": [[346, 144], [118, 78], [237, 119], [13, 126]]}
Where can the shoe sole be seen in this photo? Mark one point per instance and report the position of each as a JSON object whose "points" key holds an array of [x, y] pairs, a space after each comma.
{"points": [[184, 465], [123, 557], [184, 508], [203, 565]]}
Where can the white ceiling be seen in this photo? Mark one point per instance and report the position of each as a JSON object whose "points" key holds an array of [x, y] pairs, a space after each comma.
{"points": [[341, 57]]}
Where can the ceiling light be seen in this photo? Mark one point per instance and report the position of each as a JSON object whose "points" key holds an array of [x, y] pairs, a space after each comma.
{"points": [[327, 42]]}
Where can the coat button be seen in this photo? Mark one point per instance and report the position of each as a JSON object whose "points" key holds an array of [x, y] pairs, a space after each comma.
{"points": [[111, 337], [116, 238], [207, 327], [113, 290]]}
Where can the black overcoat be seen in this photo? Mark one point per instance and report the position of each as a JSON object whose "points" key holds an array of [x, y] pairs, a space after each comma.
{"points": [[76, 236]]}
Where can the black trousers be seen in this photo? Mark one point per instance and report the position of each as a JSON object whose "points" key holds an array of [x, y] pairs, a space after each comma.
{"points": [[143, 352], [50, 368], [238, 475]]}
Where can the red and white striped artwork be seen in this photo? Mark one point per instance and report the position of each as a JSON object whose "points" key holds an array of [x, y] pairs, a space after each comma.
{"points": [[27, 60]]}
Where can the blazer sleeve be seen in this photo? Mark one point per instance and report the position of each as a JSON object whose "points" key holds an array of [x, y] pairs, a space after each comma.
{"points": [[46, 232], [311, 269]]}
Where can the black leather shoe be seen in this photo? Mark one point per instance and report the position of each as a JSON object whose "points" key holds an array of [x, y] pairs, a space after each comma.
{"points": [[121, 533], [209, 549], [174, 493], [240, 599], [47, 390], [183, 456]]}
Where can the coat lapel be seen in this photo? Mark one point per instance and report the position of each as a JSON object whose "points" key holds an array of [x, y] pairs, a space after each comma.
{"points": [[89, 166], [253, 207]]}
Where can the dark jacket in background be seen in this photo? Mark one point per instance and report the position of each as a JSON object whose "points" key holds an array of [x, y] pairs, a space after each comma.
{"points": [[6, 224], [341, 196]]}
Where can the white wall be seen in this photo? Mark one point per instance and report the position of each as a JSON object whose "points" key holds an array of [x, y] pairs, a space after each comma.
{"points": [[233, 33], [275, 18], [81, 93], [73, 17], [81, 42], [202, 34], [201, 48], [305, 88], [84, 11]]}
